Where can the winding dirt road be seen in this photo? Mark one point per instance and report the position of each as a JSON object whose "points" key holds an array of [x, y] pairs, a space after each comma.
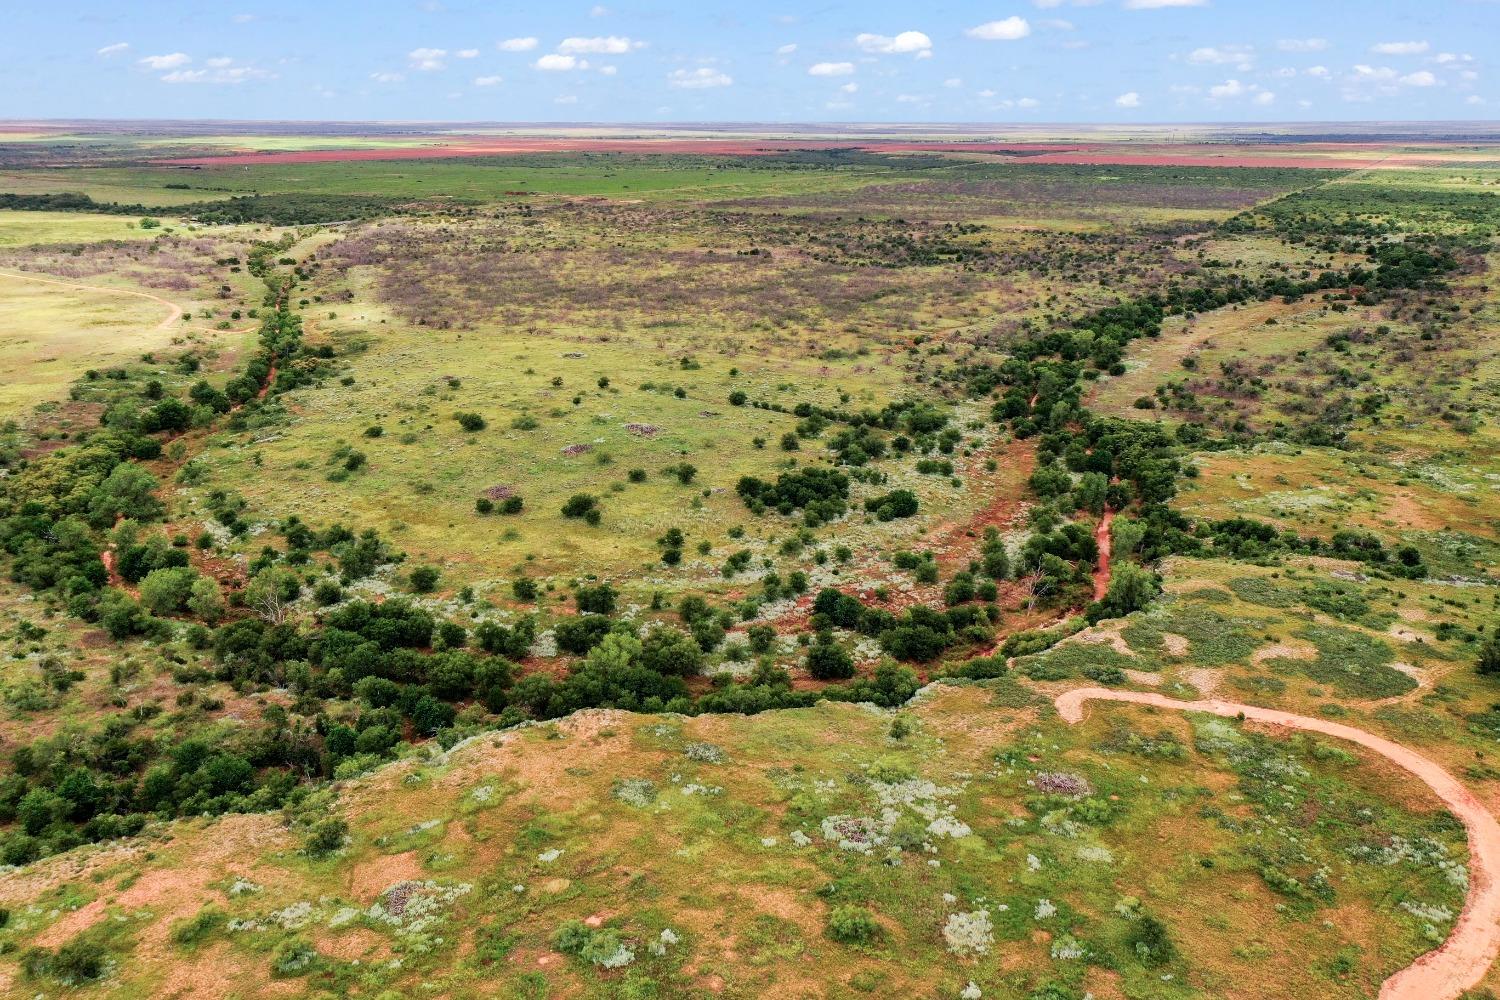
{"points": [[165, 324], [1460, 962]]}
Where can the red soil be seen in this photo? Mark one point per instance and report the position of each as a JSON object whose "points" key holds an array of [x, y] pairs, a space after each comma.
{"points": [[270, 380], [1101, 569], [1188, 155]]}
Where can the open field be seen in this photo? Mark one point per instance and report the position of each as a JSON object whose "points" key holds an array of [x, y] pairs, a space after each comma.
{"points": [[732, 883], [672, 564]]}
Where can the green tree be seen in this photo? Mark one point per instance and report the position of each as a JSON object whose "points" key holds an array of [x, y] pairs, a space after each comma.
{"points": [[205, 601], [829, 661], [166, 591], [615, 652], [669, 651], [127, 490], [271, 593], [1131, 588], [1489, 654]]}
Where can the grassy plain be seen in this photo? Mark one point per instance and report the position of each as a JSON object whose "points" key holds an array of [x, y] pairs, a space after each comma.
{"points": [[598, 324]]}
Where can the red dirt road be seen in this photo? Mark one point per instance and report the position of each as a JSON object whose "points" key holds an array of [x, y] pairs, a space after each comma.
{"points": [[1101, 568], [1461, 961]]}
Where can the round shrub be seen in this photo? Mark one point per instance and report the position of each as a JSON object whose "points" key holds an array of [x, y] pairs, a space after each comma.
{"points": [[852, 925]]}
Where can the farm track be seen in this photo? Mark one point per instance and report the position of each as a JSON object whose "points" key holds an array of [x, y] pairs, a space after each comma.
{"points": [[1463, 959], [165, 324]]}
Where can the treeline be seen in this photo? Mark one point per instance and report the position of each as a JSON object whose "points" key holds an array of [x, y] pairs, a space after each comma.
{"points": [[291, 209]]}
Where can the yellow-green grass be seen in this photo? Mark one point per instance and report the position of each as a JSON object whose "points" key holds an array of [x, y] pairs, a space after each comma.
{"points": [[1317, 491], [54, 332], [459, 177], [104, 185], [27, 228], [1233, 333], [532, 830], [424, 472]]}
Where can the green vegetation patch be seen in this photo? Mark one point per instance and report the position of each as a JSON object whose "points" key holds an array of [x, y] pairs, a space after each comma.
{"points": [[1353, 662]]}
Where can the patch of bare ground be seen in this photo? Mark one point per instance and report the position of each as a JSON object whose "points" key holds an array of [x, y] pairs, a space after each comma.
{"points": [[971, 726], [217, 972], [368, 879], [1283, 651], [1205, 681]]}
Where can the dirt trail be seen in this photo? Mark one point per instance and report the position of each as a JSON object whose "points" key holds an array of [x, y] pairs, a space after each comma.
{"points": [[270, 380], [165, 324], [1461, 961], [1101, 569]]}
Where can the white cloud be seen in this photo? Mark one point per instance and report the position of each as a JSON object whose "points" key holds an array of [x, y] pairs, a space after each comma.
{"points": [[953, 81], [986, 93], [1302, 44], [787, 49], [850, 88], [170, 61], [242, 18], [830, 69], [218, 71], [702, 78], [611, 45], [1229, 88], [1318, 71], [488, 81], [1366, 83], [609, 70], [555, 63], [1028, 103], [427, 60], [1056, 24], [1158, 4], [1241, 57], [467, 53], [1474, 99], [1009, 29], [517, 44], [1421, 78], [112, 50], [1128, 100], [1400, 48], [387, 77], [1265, 98], [910, 99], [905, 42], [599, 10], [565, 99]]}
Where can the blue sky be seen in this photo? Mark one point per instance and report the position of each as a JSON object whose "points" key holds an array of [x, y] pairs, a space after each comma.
{"points": [[679, 60]]}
